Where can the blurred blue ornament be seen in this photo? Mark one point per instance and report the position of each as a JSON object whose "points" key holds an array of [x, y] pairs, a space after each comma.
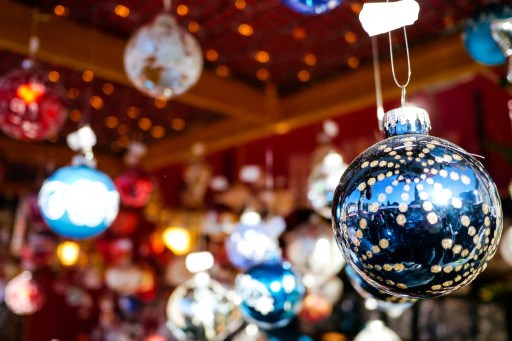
{"points": [[477, 36], [270, 294], [78, 202], [384, 302], [201, 309], [416, 216], [128, 304], [312, 6], [249, 245]]}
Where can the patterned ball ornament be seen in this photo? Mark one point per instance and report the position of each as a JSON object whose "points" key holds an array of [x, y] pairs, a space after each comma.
{"points": [[270, 294], [477, 36], [78, 202], [31, 107], [416, 216], [310, 7], [162, 60], [202, 309]]}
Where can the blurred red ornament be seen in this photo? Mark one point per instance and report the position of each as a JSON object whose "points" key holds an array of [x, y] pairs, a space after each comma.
{"points": [[155, 338], [315, 308], [31, 107], [23, 295], [134, 187], [125, 223]]}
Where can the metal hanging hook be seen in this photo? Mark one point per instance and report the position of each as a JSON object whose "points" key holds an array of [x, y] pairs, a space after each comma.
{"points": [[402, 86], [167, 5]]}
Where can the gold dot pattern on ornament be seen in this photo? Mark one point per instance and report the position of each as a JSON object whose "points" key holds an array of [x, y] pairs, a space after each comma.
{"points": [[382, 197], [436, 269], [448, 269], [359, 234], [447, 244], [457, 249], [363, 223], [387, 267], [372, 181], [384, 243], [485, 208], [427, 206], [374, 207], [401, 219], [375, 249], [403, 207], [432, 218], [465, 220], [456, 203], [398, 267], [365, 164]]}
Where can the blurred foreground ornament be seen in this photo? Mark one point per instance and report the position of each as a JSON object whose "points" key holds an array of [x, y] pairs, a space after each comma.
{"points": [[416, 192], [376, 330], [270, 294], [478, 38], [23, 295], [134, 187], [79, 201], [202, 309], [161, 59], [394, 306], [31, 107], [313, 252], [501, 30], [253, 243], [312, 6]]}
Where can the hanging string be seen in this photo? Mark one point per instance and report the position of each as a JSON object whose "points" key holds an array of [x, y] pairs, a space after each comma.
{"points": [[402, 86], [378, 86], [167, 5]]}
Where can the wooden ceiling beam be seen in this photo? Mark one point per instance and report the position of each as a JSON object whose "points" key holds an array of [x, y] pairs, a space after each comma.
{"points": [[68, 44], [434, 63]]}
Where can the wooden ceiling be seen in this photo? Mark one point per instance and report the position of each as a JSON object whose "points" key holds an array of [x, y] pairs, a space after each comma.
{"points": [[232, 103]]}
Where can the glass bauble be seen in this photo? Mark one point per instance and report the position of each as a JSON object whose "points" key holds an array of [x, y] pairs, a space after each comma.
{"points": [[202, 309], [313, 252], [416, 216], [31, 107], [249, 245], [323, 180], [23, 296], [162, 60], [386, 303], [270, 294], [312, 6], [78, 202], [135, 187], [376, 330], [477, 36]]}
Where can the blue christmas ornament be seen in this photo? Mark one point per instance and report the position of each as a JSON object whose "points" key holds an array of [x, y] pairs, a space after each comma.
{"points": [[416, 216], [477, 36], [312, 6], [249, 245], [270, 294], [78, 202]]}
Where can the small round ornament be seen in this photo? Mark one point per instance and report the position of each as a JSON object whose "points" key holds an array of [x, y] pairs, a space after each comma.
{"points": [[313, 252], [270, 294], [31, 107], [323, 180], [202, 309], [394, 306], [162, 60], [416, 216], [78, 202], [135, 187], [477, 36], [248, 245], [312, 6], [23, 296]]}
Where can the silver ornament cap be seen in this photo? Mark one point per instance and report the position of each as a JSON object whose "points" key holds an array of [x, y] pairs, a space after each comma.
{"points": [[406, 120]]}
